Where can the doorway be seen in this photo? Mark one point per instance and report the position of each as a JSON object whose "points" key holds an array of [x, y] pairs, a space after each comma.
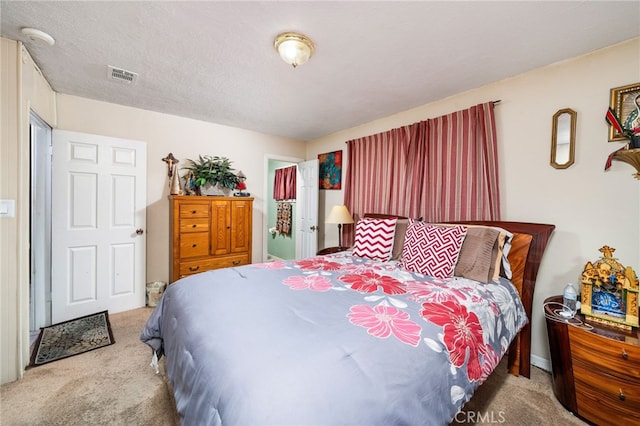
{"points": [[40, 224], [276, 246], [304, 240]]}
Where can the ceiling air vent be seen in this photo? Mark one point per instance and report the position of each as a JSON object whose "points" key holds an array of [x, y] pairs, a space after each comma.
{"points": [[123, 76]]}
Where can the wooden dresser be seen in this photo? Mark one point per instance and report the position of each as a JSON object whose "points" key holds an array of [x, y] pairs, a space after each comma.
{"points": [[596, 373], [208, 233]]}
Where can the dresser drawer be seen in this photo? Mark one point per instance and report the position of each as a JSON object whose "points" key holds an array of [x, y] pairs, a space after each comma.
{"points": [[194, 225], [196, 266], [230, 261], [194, 210], [618, 358], [606, 399], [194, 245]]}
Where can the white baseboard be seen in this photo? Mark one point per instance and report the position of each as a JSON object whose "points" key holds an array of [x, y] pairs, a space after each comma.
{"points": [[540, 362]]}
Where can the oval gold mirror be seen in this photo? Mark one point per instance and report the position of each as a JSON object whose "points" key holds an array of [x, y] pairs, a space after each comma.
{"points": [[563, 138]]}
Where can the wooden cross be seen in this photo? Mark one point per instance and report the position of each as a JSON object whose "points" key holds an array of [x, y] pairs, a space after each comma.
{"points": [[170, 160]]}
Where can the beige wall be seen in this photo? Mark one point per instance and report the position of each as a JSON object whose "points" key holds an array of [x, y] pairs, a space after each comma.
{"points": [[23, 88], [185, 138], [589, 207]]}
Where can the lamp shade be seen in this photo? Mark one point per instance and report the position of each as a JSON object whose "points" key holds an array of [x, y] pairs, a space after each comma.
{"points": [[339, 214]]}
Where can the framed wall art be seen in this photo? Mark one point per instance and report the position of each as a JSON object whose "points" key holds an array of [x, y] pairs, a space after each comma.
{"points": [[330, 170], [625, 101]]}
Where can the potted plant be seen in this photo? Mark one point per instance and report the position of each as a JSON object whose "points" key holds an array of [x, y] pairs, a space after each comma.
{"points": [[213, 175]]}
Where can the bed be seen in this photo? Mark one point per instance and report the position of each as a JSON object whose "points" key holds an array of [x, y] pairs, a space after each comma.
{"points": [[349, 338]]}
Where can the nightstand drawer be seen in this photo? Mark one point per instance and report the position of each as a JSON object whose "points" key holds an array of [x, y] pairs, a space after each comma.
{"points": [[610, 355], [606, 399], [194, 210], [194, 245], [194, 225]]}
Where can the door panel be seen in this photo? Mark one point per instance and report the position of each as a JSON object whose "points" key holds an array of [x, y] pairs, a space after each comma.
{"points": [[99, 187], [124, 203], [241, 225], [220, 226], [82, 275], [83, 209], [122, 259]]}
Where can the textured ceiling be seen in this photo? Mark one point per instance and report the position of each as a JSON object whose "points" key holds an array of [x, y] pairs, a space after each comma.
{"points": [[215, 61]]}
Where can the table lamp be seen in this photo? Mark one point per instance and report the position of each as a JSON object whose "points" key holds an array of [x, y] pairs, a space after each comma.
{"points": [[339, 215]]}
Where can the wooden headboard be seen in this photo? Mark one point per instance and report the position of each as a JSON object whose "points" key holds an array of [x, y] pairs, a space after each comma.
{"points": [[519, 358], [520, 350]]}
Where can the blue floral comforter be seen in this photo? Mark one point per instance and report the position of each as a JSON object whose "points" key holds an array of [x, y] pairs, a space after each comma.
{"points": [[330, 340]]}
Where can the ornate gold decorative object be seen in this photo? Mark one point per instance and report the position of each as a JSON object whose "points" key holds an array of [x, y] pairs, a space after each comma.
{"points": [[610, 291], [630, 156]]}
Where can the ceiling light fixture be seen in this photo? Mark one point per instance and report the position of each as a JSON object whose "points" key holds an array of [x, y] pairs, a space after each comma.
{"points": [[38, 36], [294, 48]]}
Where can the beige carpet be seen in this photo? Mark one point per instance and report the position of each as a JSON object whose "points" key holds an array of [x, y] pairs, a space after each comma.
{"points": [[108, 386], [115, 386]]}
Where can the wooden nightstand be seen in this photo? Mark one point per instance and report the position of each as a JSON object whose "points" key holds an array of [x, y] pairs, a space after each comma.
{"points": [[330, 250], [596, 372]]}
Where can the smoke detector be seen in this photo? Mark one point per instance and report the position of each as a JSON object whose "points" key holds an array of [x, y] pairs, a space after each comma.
{"points": [[38, 36], [121, 75]]}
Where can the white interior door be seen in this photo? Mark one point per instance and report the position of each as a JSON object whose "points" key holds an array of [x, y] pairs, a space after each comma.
{"points": [[98, 221], [307, 209]]}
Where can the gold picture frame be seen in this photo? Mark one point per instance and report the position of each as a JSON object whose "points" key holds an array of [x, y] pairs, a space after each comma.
{"points": [[622, 101]]}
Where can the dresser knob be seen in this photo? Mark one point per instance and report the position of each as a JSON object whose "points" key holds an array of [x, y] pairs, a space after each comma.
{"points": [[625, 355], [236, 262], [193, 212], [194, 246], [193, 269], [621, 395], [194, 225]]}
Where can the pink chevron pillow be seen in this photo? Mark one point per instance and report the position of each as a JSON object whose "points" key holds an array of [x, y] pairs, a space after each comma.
{"points": [[431, 249], [374, 238]]}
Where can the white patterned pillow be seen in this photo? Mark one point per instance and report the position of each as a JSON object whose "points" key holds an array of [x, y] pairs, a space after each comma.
{"points": [[374, 238], [431, 249]]}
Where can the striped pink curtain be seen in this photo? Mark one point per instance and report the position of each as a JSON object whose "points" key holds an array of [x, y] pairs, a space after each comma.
{"points": [[284, 184], [380, 162], [442, 169], [462, 166]]}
